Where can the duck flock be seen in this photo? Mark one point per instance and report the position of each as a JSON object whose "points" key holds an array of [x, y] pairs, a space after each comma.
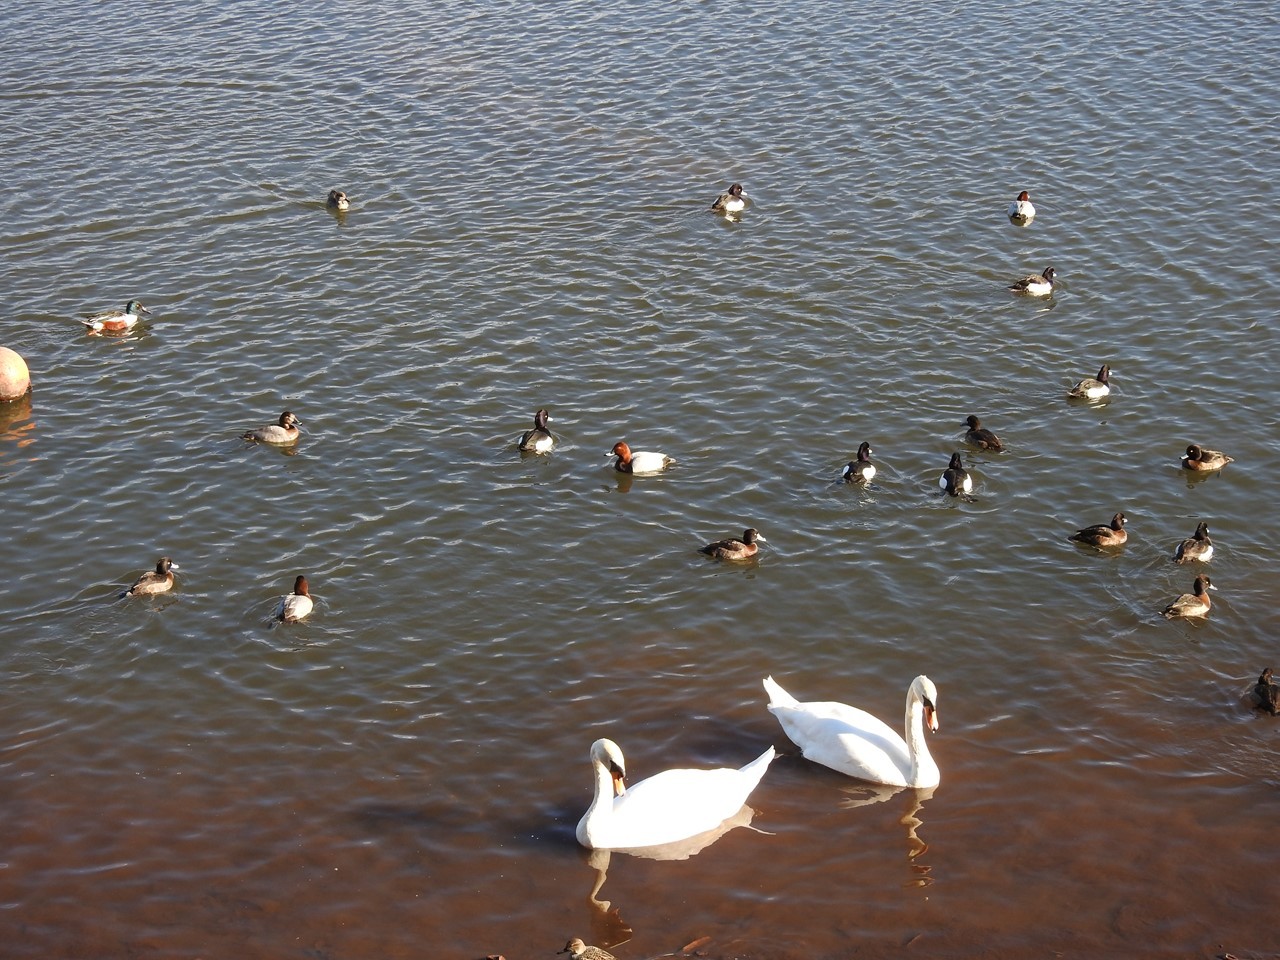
{"points": [[678, 804]]}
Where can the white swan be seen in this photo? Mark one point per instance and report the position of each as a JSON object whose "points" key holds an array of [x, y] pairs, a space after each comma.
{"points": [[669, 806], [854, 742]]}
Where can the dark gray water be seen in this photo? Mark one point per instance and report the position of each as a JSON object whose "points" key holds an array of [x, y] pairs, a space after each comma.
{"points": [[400, 775]]}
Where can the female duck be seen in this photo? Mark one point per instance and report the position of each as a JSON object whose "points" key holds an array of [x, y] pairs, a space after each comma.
{"points": [[1021, 211], [577, 950], [159, 580], [282, 433], [1194, 604], [1199, 547], [337, 201], [539, 439], [297, 605], [855, 743], [1266, 692], [731, 549], [1103, 535], [1034, 286], [1093, 389], [731, 202], [115, 321], [1198, 458], [862, 469], [980, 436], [956, 480], [669, 806], [639, 463]]}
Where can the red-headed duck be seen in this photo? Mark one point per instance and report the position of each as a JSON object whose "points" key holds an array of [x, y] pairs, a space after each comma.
{"points": [[281, 433], [297, 605], [1194, 604], [639, 463], [1021, 211]]}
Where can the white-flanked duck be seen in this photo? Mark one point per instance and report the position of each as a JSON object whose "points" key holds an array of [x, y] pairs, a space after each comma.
{"points": [[669, 806], [1194, 604], [1103, 535], [297, 605], [855, 743], [539, 439], [639, 463], [731, 202], [956, 480], [1022, 211], [1198, 547], [732, 549], [1093, 388], [159, 580], [282, 433], [1034, 286], [1198, 458], [860, 469], [115, 321]]}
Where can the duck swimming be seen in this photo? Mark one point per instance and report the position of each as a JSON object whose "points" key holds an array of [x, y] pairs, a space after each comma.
{"points": [[1034, 286], [1091, 388], [640, 463], [1266, 691], [1199, 547], [858, 744], [861, 470], [669, 806], [743, 549], [1103, 535], [980, 436], [115, 321], [577, 950], [956, 480], [1022, 211], [281, 433], [297, 605], [1198, 458], [159, 580], [731, 202], [539, 439], [1194, 604], [337, 200]]}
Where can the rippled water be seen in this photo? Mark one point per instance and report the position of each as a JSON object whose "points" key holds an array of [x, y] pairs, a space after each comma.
{"points": [[400, 775]]}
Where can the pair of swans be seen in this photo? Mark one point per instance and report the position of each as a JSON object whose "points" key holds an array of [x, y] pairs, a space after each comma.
{"points": [[677, 804]]}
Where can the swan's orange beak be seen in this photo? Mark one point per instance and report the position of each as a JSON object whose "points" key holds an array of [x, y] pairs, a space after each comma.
{"points": [[619, 786], [931, 718]]}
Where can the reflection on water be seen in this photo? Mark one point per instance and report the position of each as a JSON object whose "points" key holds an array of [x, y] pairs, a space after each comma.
{"points": [[867, 794]]}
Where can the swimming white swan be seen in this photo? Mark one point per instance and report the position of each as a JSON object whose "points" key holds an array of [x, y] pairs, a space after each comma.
{"points": [[854, 742], [669, 806]]}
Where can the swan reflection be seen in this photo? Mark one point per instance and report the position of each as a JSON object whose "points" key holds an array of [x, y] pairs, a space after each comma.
{"points": [[867, 794]]}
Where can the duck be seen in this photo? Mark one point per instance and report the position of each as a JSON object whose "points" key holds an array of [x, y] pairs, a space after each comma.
{"points": [[639, 463], [1022, 211], [1198, 458], [159, 580], [861, 470], [857, 744], [337, 201], [980, 436], [1091, 388], [1194, 604], [1103, 535], [115, 321], [1199, 547], [1034, 286], [731, 202], [956, 480], [577, 950], [282, 433], [1266, 691], [297, 605], [539, 439], [731, 549], [669, 806]]}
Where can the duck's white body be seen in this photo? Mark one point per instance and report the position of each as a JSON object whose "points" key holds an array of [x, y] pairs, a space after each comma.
{"points": [[669, 806], [855, 743], [294, 607]]}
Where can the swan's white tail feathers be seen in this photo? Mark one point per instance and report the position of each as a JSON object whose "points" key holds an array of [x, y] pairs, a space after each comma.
{"points": [[777, 696]]}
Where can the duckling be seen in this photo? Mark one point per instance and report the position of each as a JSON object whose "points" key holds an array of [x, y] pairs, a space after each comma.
{"points": [[159, 580], [861, 470], [1034, 286], [1022, 211], [731, 202], [1266, 691], [577, 950], [297, 605], [115, 321], [539, 439], [980, 436], [1103, 535], [337, 201], [639, 463], [1093, 389], [1194, 604], [956, 480], [1199, 547], [1198, 458], [731, 549], [282, 433]]}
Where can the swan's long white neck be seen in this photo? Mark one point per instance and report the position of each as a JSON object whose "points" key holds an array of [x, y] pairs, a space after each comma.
{"points": [[923, 767]]}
